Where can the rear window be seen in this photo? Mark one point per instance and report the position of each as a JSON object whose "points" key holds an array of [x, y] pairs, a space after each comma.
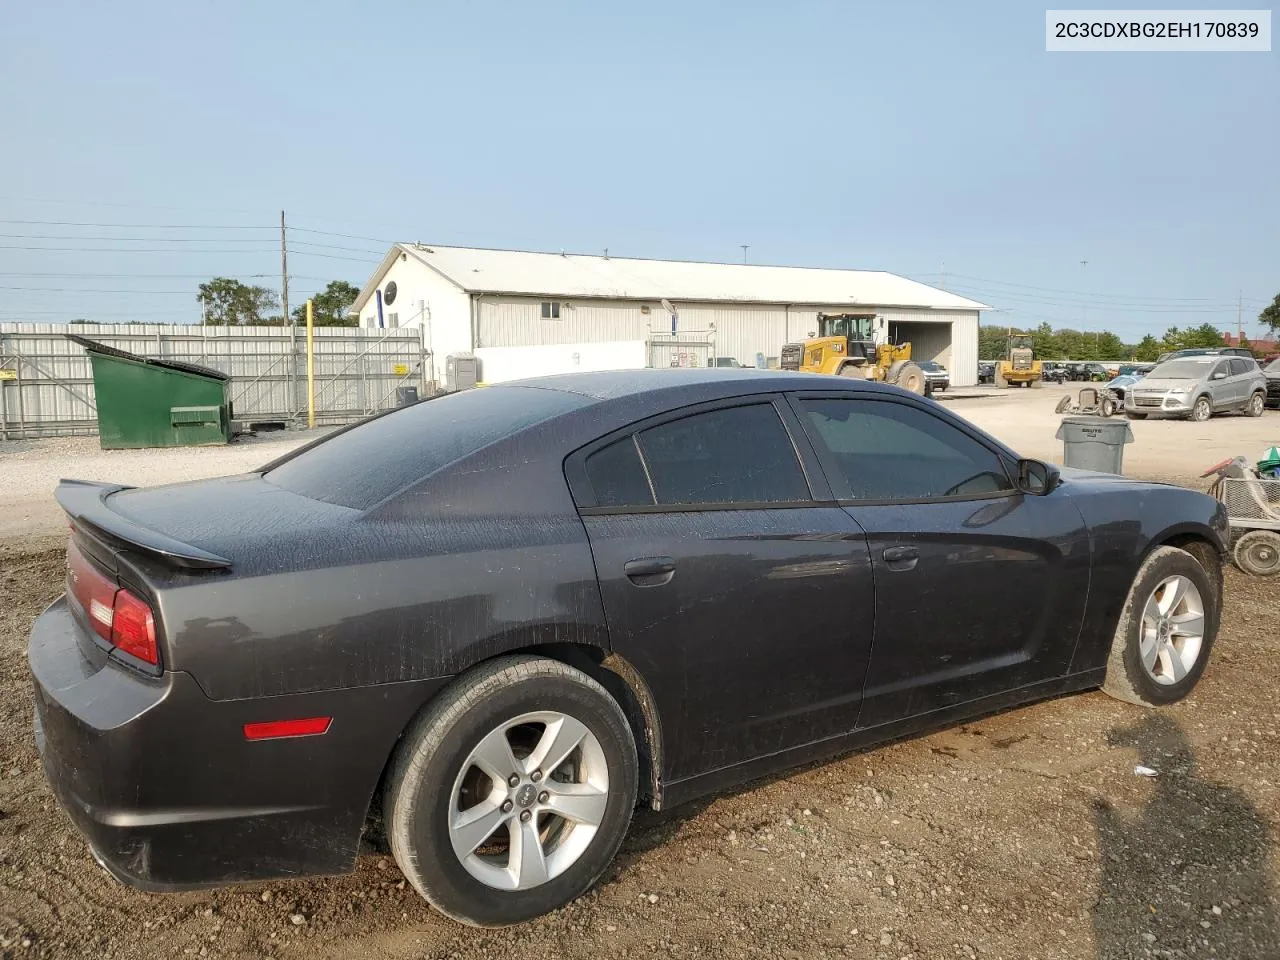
{"points": [[363, 466]]}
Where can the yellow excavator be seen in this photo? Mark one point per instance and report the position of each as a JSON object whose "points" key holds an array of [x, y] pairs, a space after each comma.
{"points": [[845, 346]]}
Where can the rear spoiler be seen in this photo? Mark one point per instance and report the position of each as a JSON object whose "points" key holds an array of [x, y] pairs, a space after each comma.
{"points": [[86, 503]]}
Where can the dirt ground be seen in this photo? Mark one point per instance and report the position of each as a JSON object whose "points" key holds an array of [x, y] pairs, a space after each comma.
{"points": [[1024, 835]]}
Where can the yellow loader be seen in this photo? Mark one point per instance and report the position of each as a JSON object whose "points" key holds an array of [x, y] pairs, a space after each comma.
{"points": [[1019, 367], [846, 347]]}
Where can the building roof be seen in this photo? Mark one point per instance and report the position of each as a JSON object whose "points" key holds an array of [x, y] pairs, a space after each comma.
{"points": [[574, 275]]}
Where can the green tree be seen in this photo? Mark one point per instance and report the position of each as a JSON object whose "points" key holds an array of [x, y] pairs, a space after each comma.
{"points": [[228, 302], [1205, 335], [992, 342], [1149, 350], [1111, 347], [331, 305], [1270, 316]]}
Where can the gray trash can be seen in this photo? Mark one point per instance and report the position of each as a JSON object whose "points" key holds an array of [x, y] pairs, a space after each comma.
{"points": [[1094, 443]]}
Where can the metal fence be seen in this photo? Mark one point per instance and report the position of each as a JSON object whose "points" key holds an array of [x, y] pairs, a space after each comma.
{"points": [[46, 383]]}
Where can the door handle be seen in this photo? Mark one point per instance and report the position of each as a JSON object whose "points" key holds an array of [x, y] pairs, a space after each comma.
{"points": [[901, 558], [649, 571]]}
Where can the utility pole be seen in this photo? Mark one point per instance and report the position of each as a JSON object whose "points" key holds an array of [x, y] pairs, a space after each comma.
{"points": [[744, 247], [1084, 307], [1239, 320], [284, 273]]}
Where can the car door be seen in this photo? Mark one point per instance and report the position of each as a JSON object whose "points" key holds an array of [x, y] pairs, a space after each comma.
{"points": [[1240, 376], [979, 588], [730, 580], [1219, 383]]}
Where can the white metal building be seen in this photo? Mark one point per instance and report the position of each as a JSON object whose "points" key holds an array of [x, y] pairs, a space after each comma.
{"points": [[527, 313]]}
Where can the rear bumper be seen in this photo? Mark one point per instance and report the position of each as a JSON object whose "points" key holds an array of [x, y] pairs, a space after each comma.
{"points": [[170, 796]]}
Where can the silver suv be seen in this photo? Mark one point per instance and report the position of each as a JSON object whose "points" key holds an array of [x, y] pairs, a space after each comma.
{"points": [[1199, 387]]}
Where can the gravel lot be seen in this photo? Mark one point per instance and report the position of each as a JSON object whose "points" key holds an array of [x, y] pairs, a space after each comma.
{"points": [[1023, 835]]}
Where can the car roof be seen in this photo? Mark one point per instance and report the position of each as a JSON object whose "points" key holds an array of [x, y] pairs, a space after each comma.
{"points": [[618, 384]]}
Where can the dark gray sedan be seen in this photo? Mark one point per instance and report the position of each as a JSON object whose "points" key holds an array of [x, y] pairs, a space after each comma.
{"points": [[497, 621]]}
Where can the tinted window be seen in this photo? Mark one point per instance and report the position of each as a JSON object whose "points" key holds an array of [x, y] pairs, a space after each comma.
{"points": [[890, 451], [735, 455], [366, 464], [1240, 365], [617, 476]]}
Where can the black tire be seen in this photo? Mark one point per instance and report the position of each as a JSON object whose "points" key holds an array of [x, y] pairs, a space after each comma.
{"points": [[1127, 679], [1255, 404], [1129, 414], [853, 370], [1063, 405], [908, 376], [1258, 553], [1107, 408], [1201, 410], [435, 748]]}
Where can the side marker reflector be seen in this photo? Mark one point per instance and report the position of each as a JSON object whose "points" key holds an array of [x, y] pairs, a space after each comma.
{"points": [[279, 729]]}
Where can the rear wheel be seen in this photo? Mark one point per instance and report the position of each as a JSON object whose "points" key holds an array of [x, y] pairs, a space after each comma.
{"points": [[1258, 552], [1257, 403], [853, 370], [1202, 410], [510, 794], [1166, 630]]}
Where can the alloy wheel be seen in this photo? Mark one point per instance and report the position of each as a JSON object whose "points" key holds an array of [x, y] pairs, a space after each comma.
{"points": [[528, 800], [1172, 630]]}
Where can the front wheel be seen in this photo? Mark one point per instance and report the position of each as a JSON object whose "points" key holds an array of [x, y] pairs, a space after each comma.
{"points": [[1202, 410], [1257, 403], [1108, 407], [1166, 630], [510, 794]]}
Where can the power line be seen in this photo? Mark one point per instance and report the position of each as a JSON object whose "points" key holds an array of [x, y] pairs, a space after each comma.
{"points": [[13, 246], [72, 236], [135, 226]]}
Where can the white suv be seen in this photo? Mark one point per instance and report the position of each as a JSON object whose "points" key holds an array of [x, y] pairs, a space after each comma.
{"points": [[1198, 387]]}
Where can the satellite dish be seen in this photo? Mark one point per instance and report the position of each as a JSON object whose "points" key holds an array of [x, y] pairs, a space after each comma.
{"points": [[666, 305]]}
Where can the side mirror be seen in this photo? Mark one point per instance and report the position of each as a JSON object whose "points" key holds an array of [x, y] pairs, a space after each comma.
{"points": [[1218, 375], [1037, 478]]}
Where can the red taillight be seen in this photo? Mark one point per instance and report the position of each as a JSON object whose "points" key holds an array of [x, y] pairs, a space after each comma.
{"points": [[115, 615], [276, 729], [133, 628], [94, 591]]}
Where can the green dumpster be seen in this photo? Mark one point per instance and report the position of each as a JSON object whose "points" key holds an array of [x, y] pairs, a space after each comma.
{"points": [[145, 402]]}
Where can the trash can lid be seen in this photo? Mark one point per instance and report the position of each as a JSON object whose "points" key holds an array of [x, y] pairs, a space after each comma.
{"points": [[93, 346], [1094, 429]]}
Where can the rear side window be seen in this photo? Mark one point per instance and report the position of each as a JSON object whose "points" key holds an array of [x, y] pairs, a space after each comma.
{"points": [[363, 466], [733, 455], [890, 451], [1239, 365], [617, 476]]}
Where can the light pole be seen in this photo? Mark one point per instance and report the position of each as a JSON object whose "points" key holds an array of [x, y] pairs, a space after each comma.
{"points": [[744, 247]]}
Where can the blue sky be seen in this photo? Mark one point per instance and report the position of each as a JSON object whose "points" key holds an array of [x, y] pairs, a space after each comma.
{"points": [[913, 137]]}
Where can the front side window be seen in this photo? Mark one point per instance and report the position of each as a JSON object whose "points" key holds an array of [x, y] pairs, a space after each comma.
{"points": [[891, 451]]}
